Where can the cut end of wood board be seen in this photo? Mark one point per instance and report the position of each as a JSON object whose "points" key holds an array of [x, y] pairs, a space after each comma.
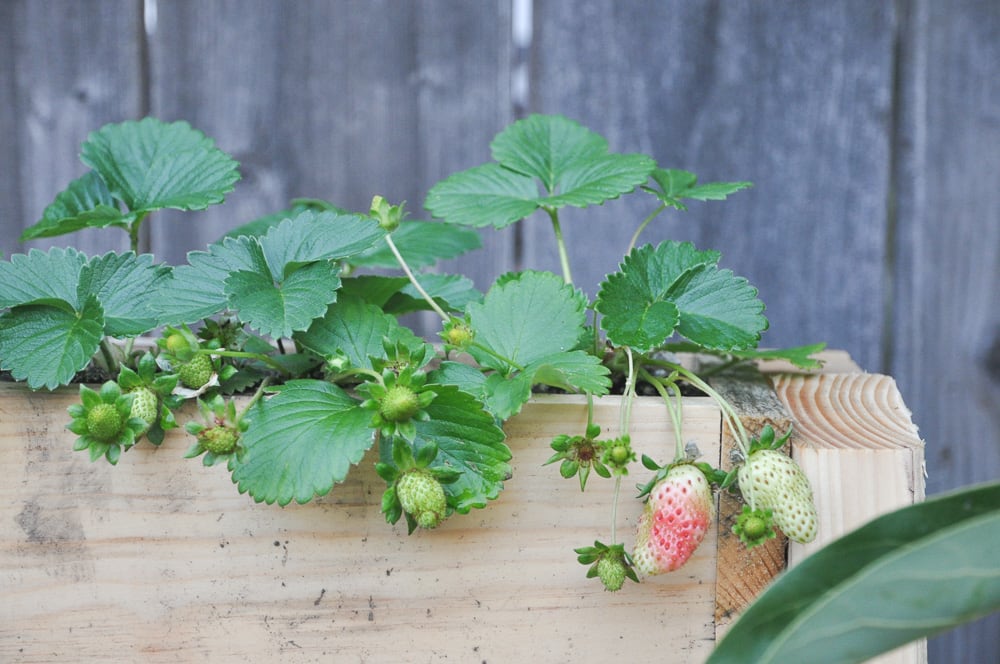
{"points": [[857, 445]]}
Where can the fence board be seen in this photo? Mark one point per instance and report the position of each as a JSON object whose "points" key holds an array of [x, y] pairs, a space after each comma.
{"points": [[797, 101], [69, 67], [333, 100], [946, 355]]}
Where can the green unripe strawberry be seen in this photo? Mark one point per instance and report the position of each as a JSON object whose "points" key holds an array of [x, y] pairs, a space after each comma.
{"points": [[177, 344], [459, 335], [104, 423], [611, 572], [195, 373], [218, 440], [422, 497], [775, 482], [144, 406], [754, 527], [399, 404]]}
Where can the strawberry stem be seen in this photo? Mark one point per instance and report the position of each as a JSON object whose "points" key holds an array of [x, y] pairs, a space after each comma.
{"points": [[561, 243], [253, 400], [642, 227], [671, 395], [413, 279], [266, 359]]}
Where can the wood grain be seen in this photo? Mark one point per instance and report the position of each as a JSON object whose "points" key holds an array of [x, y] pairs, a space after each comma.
{"points": [[161, 560], [744, 573], [856, 443]]}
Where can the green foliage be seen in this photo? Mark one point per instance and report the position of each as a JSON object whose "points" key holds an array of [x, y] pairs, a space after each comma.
{"points": [[282, 308], [905, 575], [301, 442], [675, 287], [571, 163]]}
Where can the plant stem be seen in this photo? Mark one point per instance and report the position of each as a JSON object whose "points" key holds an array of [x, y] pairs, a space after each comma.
{"points": [[673, 407], [133, 232], [642, 227], [625, 415], [561, 243], [108, 354], [614, 510], [271, 362], [413, 279], [253, 400]]}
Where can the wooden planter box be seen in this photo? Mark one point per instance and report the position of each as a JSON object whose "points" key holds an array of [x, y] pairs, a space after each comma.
{"points": [[161, 560]]}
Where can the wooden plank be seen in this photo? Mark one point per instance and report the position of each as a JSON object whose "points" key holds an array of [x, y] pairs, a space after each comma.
{"points": [[69, 68], [337, 101], [165, 558], [796, 100], [742, 574], [945, 349], [856, 443]]}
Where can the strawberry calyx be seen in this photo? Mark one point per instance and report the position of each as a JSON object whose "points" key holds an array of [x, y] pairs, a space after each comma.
{"points": [[578, 455], [218, 435], [103, 423], [754, 527], [609, 563]]}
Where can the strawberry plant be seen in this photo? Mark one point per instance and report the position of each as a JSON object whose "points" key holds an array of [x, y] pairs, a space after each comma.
{"points": [[300, 310]]}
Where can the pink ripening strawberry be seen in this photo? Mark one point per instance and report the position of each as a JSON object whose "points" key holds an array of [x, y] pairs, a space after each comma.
{"points": [[677, 515]]}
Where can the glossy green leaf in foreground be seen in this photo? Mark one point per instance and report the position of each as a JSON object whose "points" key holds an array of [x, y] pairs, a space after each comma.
{"points": [[301, 442], [909, 574]]}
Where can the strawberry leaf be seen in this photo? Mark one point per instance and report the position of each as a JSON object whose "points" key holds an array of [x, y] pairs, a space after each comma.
{"points": [[526, 317], [487, 195], [151, 165], [278, 309], [452, 292], [800, 356], [300, 443], [572, 163], [355, 330], [634, 303], [123, 284], [312, 236], [422, 244], [40, 275], [573, 371], [677, 184], [198, 290], [675, 287], [45, 344], [468, 441], [85, 203], [718, 310]]}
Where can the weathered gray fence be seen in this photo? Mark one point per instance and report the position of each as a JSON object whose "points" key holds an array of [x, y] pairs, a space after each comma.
{"points": [[871, 130]]}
